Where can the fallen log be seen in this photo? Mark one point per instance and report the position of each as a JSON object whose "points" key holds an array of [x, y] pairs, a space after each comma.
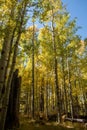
{"points": [[76, 120]]}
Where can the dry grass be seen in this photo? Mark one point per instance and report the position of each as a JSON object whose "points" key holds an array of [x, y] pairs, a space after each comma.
{"points": [[27, 124]]}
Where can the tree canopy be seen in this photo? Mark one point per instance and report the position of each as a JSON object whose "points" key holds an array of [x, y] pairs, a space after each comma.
{"points": [[51, 60]]}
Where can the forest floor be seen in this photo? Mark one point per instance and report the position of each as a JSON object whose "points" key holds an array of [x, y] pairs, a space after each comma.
{"points": [[30, 125]]}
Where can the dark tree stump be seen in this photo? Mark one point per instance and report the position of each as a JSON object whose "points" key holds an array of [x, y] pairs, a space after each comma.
{"points": [[12, 118]]}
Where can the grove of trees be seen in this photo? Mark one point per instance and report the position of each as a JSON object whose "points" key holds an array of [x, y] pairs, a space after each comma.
{"points": [[44, 65]]}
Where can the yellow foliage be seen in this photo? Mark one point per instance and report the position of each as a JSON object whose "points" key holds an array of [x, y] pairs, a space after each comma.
{"points": [[82, 47]]}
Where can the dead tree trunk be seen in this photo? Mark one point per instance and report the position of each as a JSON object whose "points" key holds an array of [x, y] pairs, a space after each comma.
{"points": [[12, 118]]}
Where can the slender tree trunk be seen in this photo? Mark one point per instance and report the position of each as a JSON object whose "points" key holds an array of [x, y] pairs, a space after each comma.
{"points": [[33, 82], [70, 89], [9, 55], [64, 84], [81, 84], [56, 69], [27, 104], [76, 110], [42, 96], [31, 99], [36, 83], [47, 98], [53, 98], [3, 63], [84, 99]]}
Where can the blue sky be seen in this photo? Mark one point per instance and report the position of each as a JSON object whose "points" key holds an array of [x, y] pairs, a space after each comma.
{"points": [[78, 8]]}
